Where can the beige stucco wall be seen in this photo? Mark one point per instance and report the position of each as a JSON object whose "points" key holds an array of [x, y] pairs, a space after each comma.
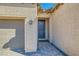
{"points": [[65, 28], [31, 36], [17, 11], [43, 15], [29, 30]]}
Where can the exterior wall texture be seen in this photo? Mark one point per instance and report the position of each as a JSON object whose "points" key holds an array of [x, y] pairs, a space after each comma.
{"points": [[65, 28]]}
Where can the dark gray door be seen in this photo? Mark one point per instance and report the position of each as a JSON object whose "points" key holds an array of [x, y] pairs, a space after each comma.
{"points": [[41, 29]]}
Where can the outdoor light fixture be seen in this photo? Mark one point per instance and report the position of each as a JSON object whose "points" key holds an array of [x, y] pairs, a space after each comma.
{"points": [[31, 21]]}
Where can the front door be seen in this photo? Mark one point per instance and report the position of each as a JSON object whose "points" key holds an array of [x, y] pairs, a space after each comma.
{"points": [[41, 29]]}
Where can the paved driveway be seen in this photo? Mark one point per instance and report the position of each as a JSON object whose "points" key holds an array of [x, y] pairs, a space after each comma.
{"points": [[44, 49], [8, 52]]}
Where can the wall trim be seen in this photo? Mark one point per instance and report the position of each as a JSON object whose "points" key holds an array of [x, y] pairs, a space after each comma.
{"points": [[43, 17], [12, 17]]}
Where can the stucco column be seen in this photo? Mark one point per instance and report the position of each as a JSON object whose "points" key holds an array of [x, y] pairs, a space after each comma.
{"points": [[30, 35]]}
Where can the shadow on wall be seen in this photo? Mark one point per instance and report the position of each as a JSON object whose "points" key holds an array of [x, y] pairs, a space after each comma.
{"points": [[10, 43], [15, 42]]}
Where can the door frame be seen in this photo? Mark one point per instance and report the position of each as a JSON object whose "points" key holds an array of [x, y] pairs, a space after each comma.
{"points": [[46, 20], [44, 30]]}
